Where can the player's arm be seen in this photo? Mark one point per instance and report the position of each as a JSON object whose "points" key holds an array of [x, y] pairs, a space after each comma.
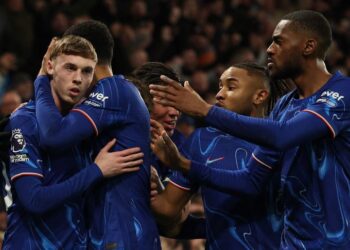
{"points": [[36, 197], [172, 216], [304, 127], [171, 210], [168, 205], [58, 131], [249, 181]]}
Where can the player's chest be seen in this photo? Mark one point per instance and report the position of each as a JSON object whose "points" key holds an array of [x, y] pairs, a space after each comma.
{"points": [[226, 153]]}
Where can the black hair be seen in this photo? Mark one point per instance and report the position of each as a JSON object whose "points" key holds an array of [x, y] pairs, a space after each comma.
{"points": [[315, 23], [149, 73], [277, 88], [98, 34]]}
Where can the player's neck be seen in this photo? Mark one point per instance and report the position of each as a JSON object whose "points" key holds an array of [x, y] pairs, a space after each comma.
{"points": [[312, 79], [103, 71], [258, 111]]}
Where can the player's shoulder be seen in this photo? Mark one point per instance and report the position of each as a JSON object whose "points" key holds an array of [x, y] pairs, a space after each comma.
{"points": [[115, 82], [336, 91], [24, 118], [112, 93], [338, 82]]}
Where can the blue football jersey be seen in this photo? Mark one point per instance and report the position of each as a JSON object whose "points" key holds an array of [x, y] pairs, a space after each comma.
{"points": [[120, 208], [315, 175], [234, 221], [62, 227]]}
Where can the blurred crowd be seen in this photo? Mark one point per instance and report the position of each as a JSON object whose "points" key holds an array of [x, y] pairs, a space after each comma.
{"points": [[198, 38]]}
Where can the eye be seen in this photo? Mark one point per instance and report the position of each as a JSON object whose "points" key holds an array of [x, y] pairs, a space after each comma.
{"points": [[230, 87], [70, 67], [277, 41], [87, 71]]}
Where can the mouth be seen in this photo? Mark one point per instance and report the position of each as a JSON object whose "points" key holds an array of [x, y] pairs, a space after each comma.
{"points": [[169, 125], [74, 92], [219, 104], [270, 63]]}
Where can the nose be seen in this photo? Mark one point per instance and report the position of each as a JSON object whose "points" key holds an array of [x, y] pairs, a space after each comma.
{"points": [[77, 77], [173, 112], [269, 50], [220, 95]]}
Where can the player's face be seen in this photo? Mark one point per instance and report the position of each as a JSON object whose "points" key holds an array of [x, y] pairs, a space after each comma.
{"points": [[166, 115], [237, 90], [72, 76], [284, 55]]}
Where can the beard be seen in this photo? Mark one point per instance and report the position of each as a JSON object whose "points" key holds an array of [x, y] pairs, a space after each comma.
{"points": [[289, 70]]}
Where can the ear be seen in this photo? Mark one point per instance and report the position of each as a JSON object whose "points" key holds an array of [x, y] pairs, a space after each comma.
{"points": [[310, 47], [260, 96], [49, 67]]}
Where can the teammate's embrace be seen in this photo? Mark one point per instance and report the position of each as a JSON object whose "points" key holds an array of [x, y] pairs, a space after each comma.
{"points": [[120, 212], [47, 198]]}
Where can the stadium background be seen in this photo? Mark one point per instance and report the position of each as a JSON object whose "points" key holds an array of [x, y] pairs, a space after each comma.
{"points": [[198, 38]]}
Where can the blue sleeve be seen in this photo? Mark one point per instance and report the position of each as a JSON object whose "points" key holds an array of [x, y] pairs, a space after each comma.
{"points": [[248, 181], [24, 155], [37, 198], [332, 107], [179, 179], [56, 131], [304, 127], [193, 228]]}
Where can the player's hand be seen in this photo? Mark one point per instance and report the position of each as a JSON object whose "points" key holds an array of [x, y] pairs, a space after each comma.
{"points": [[46, 58], [118, 162], [156, 184], [165, 149], [184, 99], [157, 143]]}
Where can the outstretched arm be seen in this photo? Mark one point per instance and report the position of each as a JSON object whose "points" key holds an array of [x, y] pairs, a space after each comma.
{"points": [[304, 127]]}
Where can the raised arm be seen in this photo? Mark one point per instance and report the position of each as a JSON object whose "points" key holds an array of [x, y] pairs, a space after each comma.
{"points": [[57, 131], [316, 122], [304, 127]]}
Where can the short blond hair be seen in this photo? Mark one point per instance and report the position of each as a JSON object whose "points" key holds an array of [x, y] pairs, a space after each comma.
{"points": [[73, 45]]}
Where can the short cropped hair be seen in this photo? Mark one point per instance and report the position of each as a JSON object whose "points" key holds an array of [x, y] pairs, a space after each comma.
{"points": [[149, 73], [98, 34], [73, 45], [314, 23], [276, 88]]}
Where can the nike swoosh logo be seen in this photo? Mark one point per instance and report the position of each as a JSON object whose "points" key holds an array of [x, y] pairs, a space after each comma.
{"points": [[209, 161]]}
